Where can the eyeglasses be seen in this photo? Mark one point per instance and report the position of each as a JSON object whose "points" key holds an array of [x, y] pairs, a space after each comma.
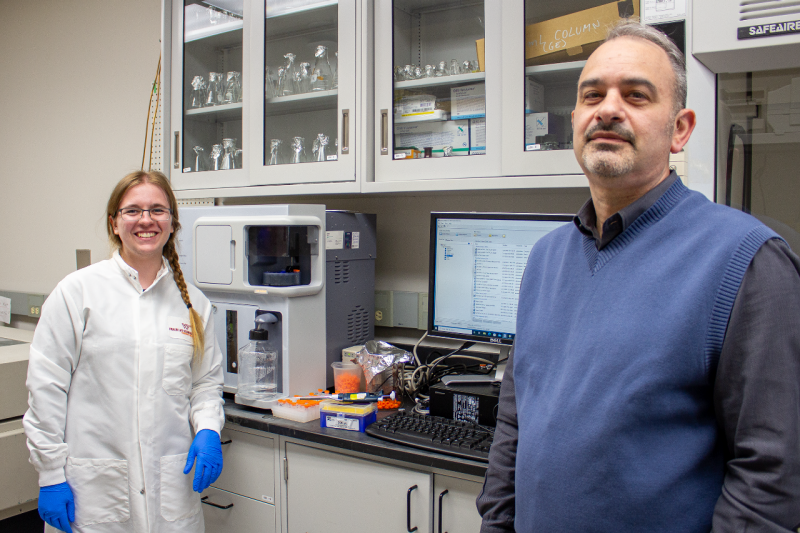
{"points": [[132, 214]]}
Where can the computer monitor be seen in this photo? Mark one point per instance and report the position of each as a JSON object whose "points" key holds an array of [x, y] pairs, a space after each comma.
{"points": [[476, 266]]}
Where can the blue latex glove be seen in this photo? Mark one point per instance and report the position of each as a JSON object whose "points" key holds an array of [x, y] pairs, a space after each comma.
{"points": [[207, 449], [57, 506]]}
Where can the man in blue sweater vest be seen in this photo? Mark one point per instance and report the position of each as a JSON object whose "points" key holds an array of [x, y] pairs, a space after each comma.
{"points": [[654, 383]]}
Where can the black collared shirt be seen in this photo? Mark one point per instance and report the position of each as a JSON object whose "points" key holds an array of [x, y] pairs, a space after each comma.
{"points": [[756, 394]]}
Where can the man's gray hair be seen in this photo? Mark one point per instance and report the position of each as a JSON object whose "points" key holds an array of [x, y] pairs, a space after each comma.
{"points": [[634, 28]]}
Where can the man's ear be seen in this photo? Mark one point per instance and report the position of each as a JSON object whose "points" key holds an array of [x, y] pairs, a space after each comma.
{"points": [[685, 121]]}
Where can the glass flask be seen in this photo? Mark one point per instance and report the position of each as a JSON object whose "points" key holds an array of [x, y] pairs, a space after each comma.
{"points": [[298, 150], [323, 74], [454, 68], [270, 83], [441, 70], [216, 153], [198, 96], [321, 142], [232, 89], [238, 157], [430, 71], [408, 72], [275, 152], [238, 77], [287, 87], [304, 78], [466, 67], [336, 72], [229, 155], [256, 379], [199, 164], [214, 91]]}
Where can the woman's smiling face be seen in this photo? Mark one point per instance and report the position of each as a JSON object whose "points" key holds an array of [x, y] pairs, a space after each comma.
{"points": [[143, 240]]}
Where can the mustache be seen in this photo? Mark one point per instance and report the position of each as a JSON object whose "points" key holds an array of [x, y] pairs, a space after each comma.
{"points": [[612, 127]]}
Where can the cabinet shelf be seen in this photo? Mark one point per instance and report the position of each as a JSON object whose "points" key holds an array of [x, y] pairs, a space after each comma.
{"points": [[216, 113], [556, 73], [444, 80], [216, 30], [313, 101]]}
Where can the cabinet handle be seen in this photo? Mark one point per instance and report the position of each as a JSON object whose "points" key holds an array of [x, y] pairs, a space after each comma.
{"points": [[176, 159], [384, 132], [408, 510], [345, 131], [212, 504], [441, 495], [223, 443]]}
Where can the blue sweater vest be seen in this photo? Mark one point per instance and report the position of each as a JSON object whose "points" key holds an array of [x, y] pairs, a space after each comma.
{"points": [[614, 365]]}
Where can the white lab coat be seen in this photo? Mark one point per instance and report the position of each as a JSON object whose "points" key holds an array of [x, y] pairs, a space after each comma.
{"points": [[114, 399]]}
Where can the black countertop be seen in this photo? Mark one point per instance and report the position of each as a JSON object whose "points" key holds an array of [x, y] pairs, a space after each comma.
{"points": [[247, 417]]}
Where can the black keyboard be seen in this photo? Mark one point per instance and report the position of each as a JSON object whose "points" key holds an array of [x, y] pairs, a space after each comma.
{"points": [[435, 434]]}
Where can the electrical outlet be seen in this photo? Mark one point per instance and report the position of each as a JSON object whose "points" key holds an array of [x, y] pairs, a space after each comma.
{"points": [[422, 311], [383, 308]]}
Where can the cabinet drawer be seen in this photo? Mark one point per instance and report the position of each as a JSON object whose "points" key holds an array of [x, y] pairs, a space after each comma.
{"points": [[243, 515], [14, 465], [248, 465], [454, 505]]}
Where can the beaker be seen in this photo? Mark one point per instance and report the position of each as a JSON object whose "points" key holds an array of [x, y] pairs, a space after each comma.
{"points": [[304, 78], [229, 155], [216, 153], [287, 86], [322, 143], [214, 91], [298, 150], [275, 152], [198, 96]]}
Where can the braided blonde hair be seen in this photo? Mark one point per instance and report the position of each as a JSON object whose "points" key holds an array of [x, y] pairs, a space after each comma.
{"points": [[169, 252]]}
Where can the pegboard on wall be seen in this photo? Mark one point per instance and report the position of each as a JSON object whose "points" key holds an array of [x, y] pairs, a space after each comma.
{"points": [[155, 143]]}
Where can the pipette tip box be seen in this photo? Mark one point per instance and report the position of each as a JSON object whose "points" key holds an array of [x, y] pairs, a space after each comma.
{"points": [[346, 415]]}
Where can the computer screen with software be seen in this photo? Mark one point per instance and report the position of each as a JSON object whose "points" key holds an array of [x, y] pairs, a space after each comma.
{"points": [[476, 266]]}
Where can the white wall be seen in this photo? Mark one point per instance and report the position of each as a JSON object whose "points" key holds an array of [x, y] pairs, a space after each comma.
{"points": [[76, 79]]}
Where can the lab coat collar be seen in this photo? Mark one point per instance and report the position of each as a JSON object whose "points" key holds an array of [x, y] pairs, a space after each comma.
{"points": [[132, 275]]}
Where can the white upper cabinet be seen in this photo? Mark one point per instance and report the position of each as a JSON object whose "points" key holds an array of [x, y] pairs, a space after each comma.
{"points": [[326, 96]]}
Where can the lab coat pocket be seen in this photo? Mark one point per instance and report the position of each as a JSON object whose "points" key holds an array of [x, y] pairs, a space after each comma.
{"points": [[100, 487], [178, 500], [177, 377]]}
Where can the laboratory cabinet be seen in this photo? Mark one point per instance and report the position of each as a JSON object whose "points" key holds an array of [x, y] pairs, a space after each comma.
{"points": [[349, 493], [262, 92], [243, 497], [391, 96]]}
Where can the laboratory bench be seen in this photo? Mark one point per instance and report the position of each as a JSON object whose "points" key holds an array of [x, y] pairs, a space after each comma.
{"points": [[282, 475]]}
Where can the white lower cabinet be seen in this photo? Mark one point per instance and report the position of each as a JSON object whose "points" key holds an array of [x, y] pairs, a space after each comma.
{"points": [[454, 505], [242, 499], [329, 492], [226, 512]]}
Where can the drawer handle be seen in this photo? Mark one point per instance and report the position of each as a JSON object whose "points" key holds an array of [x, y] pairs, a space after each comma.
{"points": [[225, 442], [177, 150], [384, 132], [212, 504], [441, 495], [408, 510]]}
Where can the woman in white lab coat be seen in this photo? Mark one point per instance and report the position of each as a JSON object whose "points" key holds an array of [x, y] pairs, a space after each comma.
{"points": [[125, 381]]}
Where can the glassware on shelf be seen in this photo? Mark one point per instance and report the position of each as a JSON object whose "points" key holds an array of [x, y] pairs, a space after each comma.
{"points": [[298, 150], [430, 71], [237, 156], [285, 83], [441, 70], [304, 78], [214, 15], [275, 152], [198, 95], [398, 73], [238, 77], [270, 83], [229, 155], [336, 72], [214, 91], [199, 163], [287, 88], [216, 153], [454, 68], [448, 151], [322, 80], [321, 142], [233, 90], [466, 67], [418, 73], [408, 72]]}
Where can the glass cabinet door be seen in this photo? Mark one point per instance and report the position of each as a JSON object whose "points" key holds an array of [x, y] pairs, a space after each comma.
{"points": [[437, 87], [758, 136], [210, 63], [307, 98], [556, 39]]}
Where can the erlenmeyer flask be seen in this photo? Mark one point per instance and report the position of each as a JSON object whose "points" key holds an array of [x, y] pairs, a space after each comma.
{"points": [[298, 150], [213, 94], [237, 76], [199, 164], [216, 153], [275, 152], [322, 140], [198, 96], [270, 83], [229, 157], [231, 89], [287, 87], [304, 78], [323, 74]]}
